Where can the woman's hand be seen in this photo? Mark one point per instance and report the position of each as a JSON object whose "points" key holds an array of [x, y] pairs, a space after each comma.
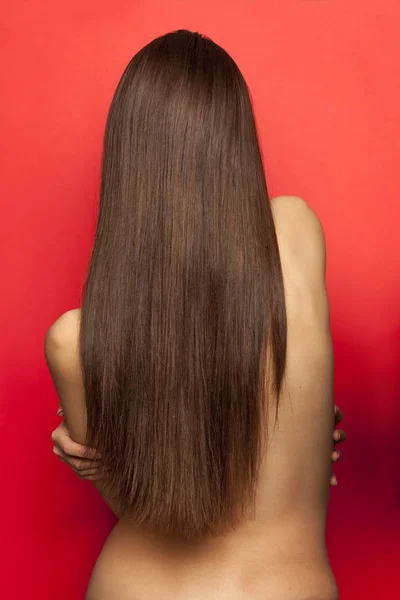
{"points": [[73, 454], [339, 437]]}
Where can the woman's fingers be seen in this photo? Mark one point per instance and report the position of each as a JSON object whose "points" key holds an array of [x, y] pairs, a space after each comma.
{"points": [[83, 468], [84, 461], [89, 475], [61, 438], [78, 464], [338, 415], [339, 436]]}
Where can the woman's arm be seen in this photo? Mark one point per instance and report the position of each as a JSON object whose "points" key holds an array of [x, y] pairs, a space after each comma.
{"points": [[73, 454], [69, 436], [61, 352], [76, 455]]}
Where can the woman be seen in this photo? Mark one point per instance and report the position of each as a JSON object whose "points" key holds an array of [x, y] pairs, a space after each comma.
{"points": [[200, 365]]}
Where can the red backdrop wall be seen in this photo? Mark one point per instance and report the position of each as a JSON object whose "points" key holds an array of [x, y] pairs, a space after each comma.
{"points": [[325, 82]]}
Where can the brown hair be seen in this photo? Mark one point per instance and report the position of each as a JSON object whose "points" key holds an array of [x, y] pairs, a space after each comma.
{"points": [[184, 292]]}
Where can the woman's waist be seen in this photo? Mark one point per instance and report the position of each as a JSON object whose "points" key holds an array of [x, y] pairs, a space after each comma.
{"points": [[247, 567], [277, 544]]}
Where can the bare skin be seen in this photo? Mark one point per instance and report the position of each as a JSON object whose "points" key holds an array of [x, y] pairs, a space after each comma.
{"points": [[281, 555], [74, 454]]}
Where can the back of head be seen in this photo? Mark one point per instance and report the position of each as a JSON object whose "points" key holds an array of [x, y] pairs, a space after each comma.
{"points": [[184, 292]]}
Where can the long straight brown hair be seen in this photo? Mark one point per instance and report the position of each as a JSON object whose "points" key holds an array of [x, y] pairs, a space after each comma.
{"points": [[183, 304]]}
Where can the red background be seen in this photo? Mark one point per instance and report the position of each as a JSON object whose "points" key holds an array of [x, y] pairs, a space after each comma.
{"points": [[325, 81]]}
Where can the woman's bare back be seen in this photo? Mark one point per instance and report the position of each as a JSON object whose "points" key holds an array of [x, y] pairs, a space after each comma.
{"points": [[281, 555]]}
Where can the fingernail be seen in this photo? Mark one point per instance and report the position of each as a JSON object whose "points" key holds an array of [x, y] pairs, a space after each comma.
{"points": [[337, 435]]}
